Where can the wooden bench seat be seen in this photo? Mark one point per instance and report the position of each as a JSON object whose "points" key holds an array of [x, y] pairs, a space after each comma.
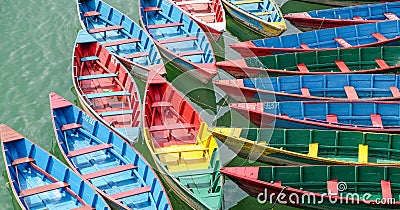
{"points": [[302, 68], [105, 29], [136, 55], [362, 153], [181, 150], [262, 13], [305, 91], [107, 94], [91, 14], [193, 172], [204, 14], [22, 160], [96, 76], [381, 63], [313, 149], [114, 113], [357, 18], [332, 187], [342, 42], [109, 171], [131, 192], [88, 150], [166, 25], [386, 189], [191, 53], [391, 16], [304, 46], [379, 37], [181, 3], [161, 104], [342, 66], [86, 207], [181, 39], [332, 118], [171, 127], [42, 189], [395, 91], [121, 42], [351, 93], [90, 58], [152, 9], [247, 2], [376, 120], [70, 126]]}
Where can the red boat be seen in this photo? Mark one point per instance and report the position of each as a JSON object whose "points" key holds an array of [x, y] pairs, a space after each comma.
{"points": [[337, 17]]}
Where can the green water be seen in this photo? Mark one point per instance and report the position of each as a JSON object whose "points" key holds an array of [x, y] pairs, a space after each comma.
{"points": [[36, 42]]}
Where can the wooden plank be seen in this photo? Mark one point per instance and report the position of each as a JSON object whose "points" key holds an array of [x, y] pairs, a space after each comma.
{"points": [[343, 42], [262, 14], [190, 53], [182, 39], [90, 149], [114, 113], [305, 91], [391, 16], [152, 9], [332, 186], [302, 68], [136, 55], [351, 93], [109, 171], [91, 14], [121, 42], [342, 66], [204, 14], [357, 18], [376, 120], [181, 150], [22, 160], [181, 3], [386, 189], [313, 150], [89, 58], [131, 192], [171, 127], [166, 25], [70, 126], [332, 118], [161, 104], [362, 153], [395, 91], [379, 37], [381, 63], [304, 46], [86, 207], [42, 189], [96, 76], [107, 94], [104, 29]]}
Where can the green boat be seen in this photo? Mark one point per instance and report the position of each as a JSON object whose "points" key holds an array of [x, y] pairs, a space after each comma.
{"points": [[341, 3], [350, 61], [321, 187], [299, 147]]}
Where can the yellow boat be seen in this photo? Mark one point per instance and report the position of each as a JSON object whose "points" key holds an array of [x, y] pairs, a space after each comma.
{"points": [[261, 16]]}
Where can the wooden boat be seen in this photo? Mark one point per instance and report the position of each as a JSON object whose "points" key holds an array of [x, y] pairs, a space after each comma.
{"points": [[184, 151], [343, 3], [300, 146], [261, 16], [356, 36], [179, 38], [321, 187], [105, 87], [103, 158], [378, 116], [208, 14], [350, 61], [40, 181], [330, 18], [122, 36], [339, 87]]}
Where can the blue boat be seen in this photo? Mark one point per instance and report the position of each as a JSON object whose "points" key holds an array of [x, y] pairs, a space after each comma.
{"points": [[377, 116], [115, 168], [261, 16], [339, 87], [41, 181], [179, 38], [356, 36], [121, 36], [336, 17]]}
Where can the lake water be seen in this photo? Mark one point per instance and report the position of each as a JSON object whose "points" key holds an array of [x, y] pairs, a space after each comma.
{"points": [[36, 42]]}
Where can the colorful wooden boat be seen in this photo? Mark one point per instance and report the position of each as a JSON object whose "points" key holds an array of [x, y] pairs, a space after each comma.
{"points": [[379, 116], [321, 187], [339, 87], [343, 3], [350, 61], [41, 181], [364, 35], [209, 14], [301, 146], [105, 87], [261, 16], [102, 157], [179, 38], [121, 36], [184, 151], [330, 18]]}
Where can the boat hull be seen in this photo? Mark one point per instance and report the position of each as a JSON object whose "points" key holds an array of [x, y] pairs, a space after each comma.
{"points": [[308, 24], [341, 3]]}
